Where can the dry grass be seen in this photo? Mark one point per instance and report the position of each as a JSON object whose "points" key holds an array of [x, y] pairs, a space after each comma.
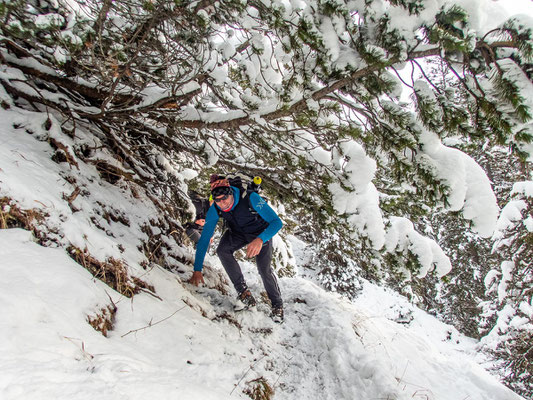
{"points": [[259, 389], [103, 322], [109, 172], [228, 317], [155, 248], [12, 216], [62, 154], [220, 281], [112, 272], [195, 307], [261, 331]]}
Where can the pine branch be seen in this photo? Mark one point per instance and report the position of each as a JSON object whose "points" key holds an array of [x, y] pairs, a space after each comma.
{"points": [[319, 94], [94, 95]]}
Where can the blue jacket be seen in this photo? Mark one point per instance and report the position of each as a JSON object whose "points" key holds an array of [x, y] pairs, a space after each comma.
{"points": [[240, 220]]}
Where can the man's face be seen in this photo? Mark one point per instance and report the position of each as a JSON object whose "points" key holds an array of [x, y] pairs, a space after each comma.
{"points": [[224, 201]]}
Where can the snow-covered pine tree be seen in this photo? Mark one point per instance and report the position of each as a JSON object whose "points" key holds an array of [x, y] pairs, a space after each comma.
{"points": [[510, 313], [306, 94], [455, 297]]}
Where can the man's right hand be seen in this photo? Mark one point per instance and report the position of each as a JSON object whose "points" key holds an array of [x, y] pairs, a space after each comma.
{"points": [[197, 278]]}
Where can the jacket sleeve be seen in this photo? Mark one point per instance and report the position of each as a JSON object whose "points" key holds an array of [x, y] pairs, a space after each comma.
{"points": [[268, 214], [211, 220]]}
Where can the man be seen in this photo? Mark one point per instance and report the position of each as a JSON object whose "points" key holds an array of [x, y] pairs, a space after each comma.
{"points": [[252, 223], [193, 230]]}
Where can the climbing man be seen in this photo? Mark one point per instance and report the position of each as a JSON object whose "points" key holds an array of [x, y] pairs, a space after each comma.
{"points": [[193, 230], [252, 223]]}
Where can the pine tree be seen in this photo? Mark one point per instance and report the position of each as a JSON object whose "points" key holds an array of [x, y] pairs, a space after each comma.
{"points": [[510, 313], [307, 95]]}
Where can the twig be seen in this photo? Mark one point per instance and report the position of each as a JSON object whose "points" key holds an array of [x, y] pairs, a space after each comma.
{"points": [[426, 77], [111, 300], [151, 293], [85, 353], [285, 370], [155, 323], [248, 370], [404, 371]]}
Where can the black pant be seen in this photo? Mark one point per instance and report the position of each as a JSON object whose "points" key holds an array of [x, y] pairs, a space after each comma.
{"points": [[193, 231], [230, 243]]}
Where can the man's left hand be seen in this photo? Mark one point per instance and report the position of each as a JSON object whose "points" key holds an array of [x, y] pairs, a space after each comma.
{"points": [[254, 248]]}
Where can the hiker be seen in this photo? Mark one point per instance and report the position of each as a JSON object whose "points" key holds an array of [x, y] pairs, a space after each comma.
{"points": [[193, 230], [252, 223]]}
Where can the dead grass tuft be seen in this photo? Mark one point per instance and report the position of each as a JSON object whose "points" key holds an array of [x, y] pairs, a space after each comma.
{"points": [[259, 389], [113, 272], [228, 317], [221, 283], [11, 216], [62, 154], [139, 283], [261, 331], [109, 172], [104, 321]]}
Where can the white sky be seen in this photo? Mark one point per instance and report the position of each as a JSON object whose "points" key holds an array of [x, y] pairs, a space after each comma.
{"points": [[517, 6], [488, 14], [512, 7]]}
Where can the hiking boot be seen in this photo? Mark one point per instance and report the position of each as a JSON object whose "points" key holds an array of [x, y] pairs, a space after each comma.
{"points": [[277, 314], [245, 301]]}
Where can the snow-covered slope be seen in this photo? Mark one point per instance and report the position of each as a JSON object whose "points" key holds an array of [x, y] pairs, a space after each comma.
{"points": [[327, 349], [177, 341]]}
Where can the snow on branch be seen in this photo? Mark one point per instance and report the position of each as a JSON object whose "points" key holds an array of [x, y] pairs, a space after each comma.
{"points": [[402, 237], [469, 188]]}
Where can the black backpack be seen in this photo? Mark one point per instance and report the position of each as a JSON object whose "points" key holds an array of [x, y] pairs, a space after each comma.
{"points": [[200, 203], [245, 183]]}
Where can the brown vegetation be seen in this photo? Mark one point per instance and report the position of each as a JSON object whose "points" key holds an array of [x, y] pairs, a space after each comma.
{"points": [[259, 389], [12, 216], [103, 322], [113, 272]]}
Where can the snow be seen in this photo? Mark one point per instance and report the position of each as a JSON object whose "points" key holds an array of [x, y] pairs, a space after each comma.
{"points": [[483, 14], [327, 345], [488, 14], [528, 223], [507, 268], [526, 308], [512, 212], [490, 279], [180, 342], [45, 21], [401, 236], [525, 188], [330, 38], [361, 204], [470, 188], [50, 351], [177, 343]]}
